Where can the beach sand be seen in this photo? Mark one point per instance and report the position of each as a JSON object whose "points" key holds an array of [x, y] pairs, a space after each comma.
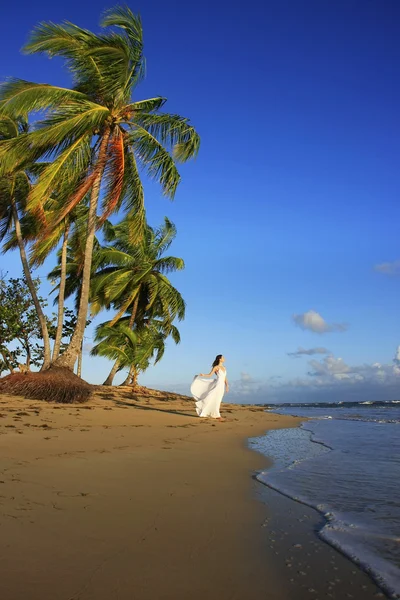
{"points": [[135, 498]]}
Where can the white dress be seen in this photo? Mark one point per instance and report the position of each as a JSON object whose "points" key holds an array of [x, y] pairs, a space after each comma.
{"points": [[208, 394]]}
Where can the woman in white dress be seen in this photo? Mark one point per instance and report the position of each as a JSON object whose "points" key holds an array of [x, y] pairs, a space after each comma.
{"points": [[208, 393]]}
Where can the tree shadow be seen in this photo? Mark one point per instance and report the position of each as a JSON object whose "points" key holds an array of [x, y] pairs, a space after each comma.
{"points": [[170, 411]]}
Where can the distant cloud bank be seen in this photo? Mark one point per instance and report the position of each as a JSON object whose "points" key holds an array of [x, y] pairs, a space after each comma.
{"points": [[328, 380]]}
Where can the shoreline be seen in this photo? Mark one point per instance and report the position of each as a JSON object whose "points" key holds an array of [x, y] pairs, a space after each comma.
{"points": [[136, 497]]}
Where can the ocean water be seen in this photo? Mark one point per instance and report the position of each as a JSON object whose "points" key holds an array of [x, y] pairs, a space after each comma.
{"points": [[345, 463]]}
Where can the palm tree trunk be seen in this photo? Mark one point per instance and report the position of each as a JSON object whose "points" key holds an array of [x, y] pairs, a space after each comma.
{"points": [[68, 358], [134, 310], [130, 375], [61, 294], [134, 377], [112, 374], [32, 289], [80, 357]]}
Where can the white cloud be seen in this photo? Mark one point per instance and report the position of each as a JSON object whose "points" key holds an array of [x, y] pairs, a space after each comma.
{"points": [[389, 268], [244, 386], [396, 359], [303, 352], [245, 377], [312, 321], [329, 366]]}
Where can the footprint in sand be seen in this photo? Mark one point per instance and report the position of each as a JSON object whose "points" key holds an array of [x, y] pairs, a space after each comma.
{"points": [[79, 495]]}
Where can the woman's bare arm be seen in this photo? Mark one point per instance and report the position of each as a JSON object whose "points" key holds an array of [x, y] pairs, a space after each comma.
{"points": [[210, 373]]}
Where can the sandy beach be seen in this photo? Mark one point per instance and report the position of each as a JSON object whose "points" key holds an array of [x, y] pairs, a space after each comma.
{"points": [[134, 497]]}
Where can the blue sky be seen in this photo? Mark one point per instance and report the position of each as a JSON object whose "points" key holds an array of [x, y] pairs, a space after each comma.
{"points": [[293, 200]]}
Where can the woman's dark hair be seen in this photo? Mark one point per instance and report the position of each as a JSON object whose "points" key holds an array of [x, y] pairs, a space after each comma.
{"points": [[216, 361]]}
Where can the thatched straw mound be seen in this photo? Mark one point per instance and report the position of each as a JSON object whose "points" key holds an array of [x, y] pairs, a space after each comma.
{"points": [[53, 385]]}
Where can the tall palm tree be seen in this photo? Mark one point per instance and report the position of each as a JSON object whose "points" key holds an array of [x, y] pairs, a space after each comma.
{"points": [[97, 116], [15, 187], [132, 277]]}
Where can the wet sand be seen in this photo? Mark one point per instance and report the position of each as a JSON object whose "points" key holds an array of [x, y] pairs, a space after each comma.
{"points": [[135, 498]]}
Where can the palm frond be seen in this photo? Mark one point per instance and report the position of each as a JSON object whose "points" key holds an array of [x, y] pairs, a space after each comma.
{"points": [[169, 264], [8, 127], [132, 198], [72, 202], [20, 97], [44, 245], [155, 158], [114, 175], [123, 18], [173, 131], [6, 217], [59, 172], [55, 135], [147, 106], [165, 235], [78, 47]]}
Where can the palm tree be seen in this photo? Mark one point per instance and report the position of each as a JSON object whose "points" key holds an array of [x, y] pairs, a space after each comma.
{"points": [[15, 187], [133, 349], [155, 333], [130, 269], [133, 278], [97, 117]]}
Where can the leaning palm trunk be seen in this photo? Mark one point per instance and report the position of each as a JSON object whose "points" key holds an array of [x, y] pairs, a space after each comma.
{"points": [[61, 294], [115, 368], [68, 358], [32, 289], [112, 373], [128, 380], [134, 378]]}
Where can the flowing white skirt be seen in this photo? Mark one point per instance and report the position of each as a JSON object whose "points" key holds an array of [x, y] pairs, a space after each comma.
{"points": [[208, 394]]}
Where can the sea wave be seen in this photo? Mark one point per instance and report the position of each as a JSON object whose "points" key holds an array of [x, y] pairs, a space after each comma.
{"points": [[341, 404]]}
